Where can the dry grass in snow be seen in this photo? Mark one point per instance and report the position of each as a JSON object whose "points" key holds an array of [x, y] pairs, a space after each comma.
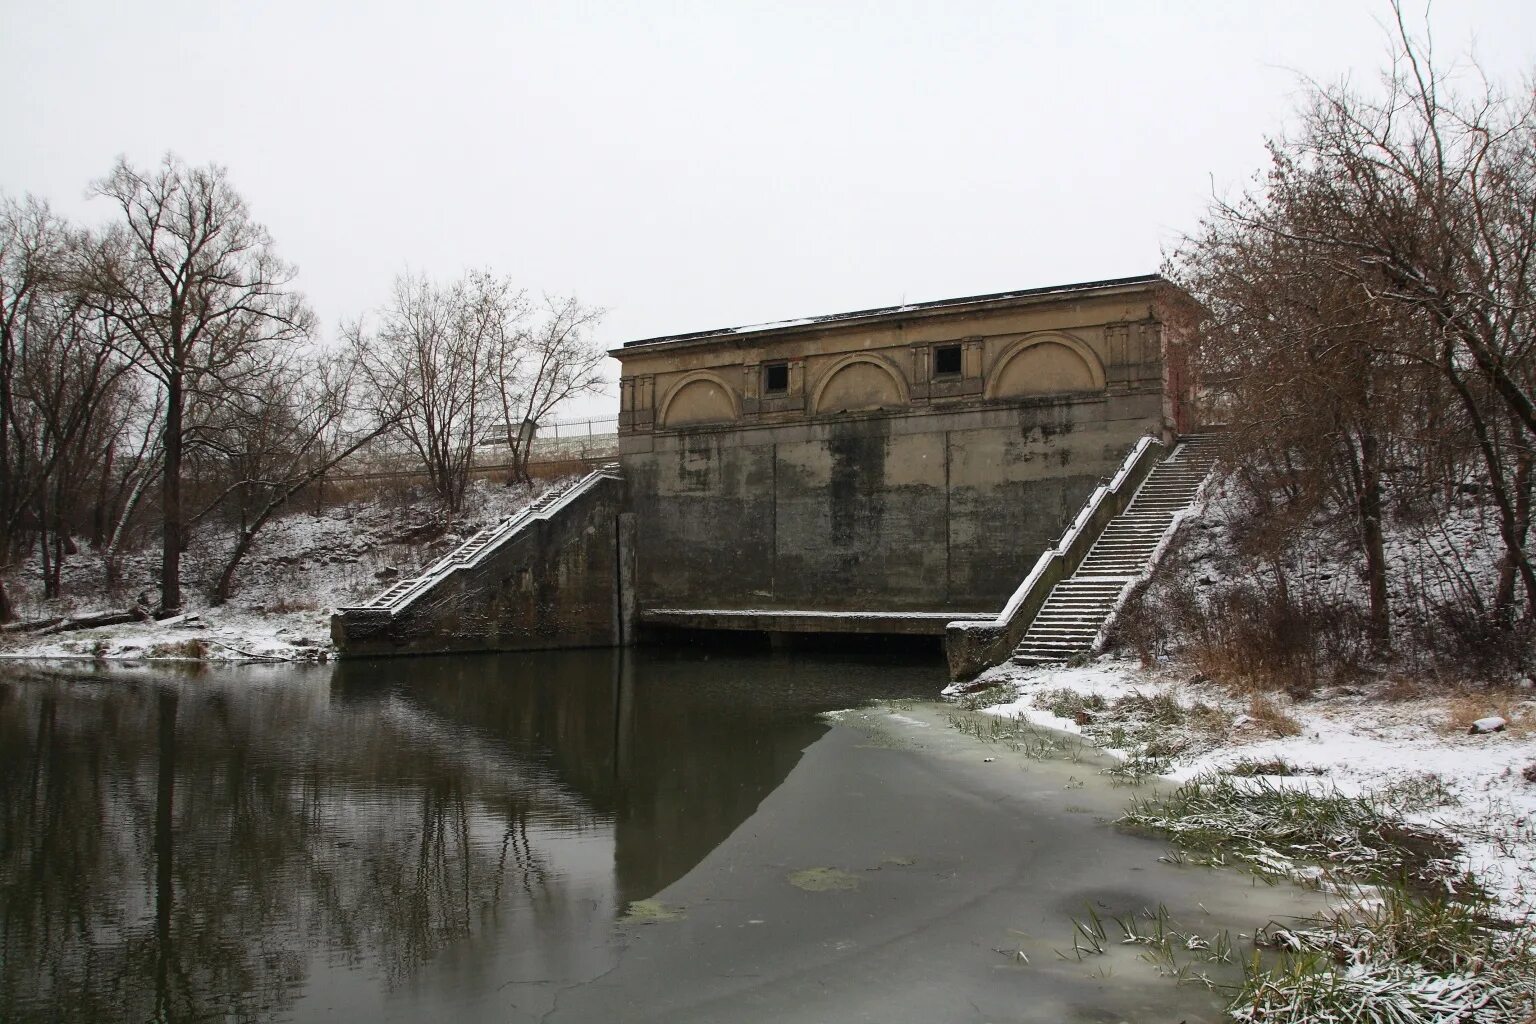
{"points": [[1423, 831], [1415, 751]]}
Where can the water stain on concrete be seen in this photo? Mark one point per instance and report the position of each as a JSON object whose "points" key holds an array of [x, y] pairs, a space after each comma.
{"points": [[823, 880]]}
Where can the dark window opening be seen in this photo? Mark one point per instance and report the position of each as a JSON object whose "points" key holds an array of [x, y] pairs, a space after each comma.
{"points": [[946, 360], [775, 378]]}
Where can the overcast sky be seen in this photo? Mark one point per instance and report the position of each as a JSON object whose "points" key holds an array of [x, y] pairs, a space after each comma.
{"points": [[696, 165]]}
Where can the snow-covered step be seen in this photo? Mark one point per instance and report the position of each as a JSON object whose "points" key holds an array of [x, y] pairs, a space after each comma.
{"points": [[1059, 638], [1079, 607]]}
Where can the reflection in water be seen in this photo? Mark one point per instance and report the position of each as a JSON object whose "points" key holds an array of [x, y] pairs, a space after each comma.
{"points": [[387, 839]]}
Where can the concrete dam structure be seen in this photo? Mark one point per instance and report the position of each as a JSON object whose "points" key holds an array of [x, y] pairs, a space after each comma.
{"points": [[545, 578], [882, 471]]}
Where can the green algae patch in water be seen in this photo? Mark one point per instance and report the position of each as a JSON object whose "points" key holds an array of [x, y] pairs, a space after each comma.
{"points": [[652, 912], [824, 880]]}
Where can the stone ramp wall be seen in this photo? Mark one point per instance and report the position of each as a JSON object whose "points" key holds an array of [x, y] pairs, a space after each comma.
{"points": [[555, 584]]}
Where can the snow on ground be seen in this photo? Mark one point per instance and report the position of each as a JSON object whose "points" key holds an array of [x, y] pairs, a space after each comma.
{"points": [[303, 567], [1432, 564], [1358, 741]]}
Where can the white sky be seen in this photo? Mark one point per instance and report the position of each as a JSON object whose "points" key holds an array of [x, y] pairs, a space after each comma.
{"points": [[697, 165]]}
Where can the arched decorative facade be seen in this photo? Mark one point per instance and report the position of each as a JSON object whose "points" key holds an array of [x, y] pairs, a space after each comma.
{"points": [[859, 383], [1045, 364], [699, 398]]}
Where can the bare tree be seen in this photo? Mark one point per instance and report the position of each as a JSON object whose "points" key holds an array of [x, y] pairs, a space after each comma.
{"points": [[73, 379], [32, 251], [291, 431], [62, 392], [546, 364], [196, 286], [1319, 403], [1374, 300], [430, 365], [1425, 198]]}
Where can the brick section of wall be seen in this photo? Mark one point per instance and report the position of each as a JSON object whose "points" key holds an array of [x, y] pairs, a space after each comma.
{"points": [[553, 585]]}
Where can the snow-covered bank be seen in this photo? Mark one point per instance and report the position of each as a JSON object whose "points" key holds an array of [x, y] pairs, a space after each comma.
{"points": [[1414, 751], [220, 634], [303, 566]]}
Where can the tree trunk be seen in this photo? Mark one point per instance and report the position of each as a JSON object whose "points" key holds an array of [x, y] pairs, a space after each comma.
{"points": [[1509, 566], [45, 558], [114, 559], [1514, 547], [90, 622], [55, 583], [520, 464], [1375, 547], [7, 608], [170, 500], [226, 584], [53, 525], [99, 513]]}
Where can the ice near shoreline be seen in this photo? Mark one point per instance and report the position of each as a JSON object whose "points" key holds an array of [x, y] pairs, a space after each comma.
{"points": [[1358, 743]]}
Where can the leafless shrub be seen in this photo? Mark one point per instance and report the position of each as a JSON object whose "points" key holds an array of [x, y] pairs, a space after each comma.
{"points": [[1263, 636], [1482, 644]]}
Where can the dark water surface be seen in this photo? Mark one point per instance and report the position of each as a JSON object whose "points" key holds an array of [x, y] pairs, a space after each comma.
{"points": [[408, 839], [649, 835]]}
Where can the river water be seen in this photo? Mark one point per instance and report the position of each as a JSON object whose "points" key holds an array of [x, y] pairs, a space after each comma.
{"points": [[651, 834]]}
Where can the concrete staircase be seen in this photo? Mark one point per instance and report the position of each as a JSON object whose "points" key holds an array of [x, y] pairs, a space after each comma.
{"points": [[467, 554], [1080, 606]]}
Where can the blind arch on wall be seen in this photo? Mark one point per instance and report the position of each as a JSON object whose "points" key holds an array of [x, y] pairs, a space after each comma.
{"points": [[859, 382], [1045, 364], [697, 398]]}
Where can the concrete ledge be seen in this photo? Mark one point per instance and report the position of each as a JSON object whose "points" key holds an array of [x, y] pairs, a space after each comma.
{"points": [[763, 620]]}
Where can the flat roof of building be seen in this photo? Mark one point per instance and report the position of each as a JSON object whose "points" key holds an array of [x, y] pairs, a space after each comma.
{"points": [[911, 307]]}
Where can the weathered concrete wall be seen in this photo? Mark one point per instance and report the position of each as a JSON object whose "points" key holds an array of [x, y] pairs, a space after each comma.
{"points": [[555, 584], [922, 511]]}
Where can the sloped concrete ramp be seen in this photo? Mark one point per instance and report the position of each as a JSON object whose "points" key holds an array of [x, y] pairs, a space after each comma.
{"points": [[549, 576]]}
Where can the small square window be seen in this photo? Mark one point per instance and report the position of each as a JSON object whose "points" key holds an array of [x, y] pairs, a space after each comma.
{"points": [[775, 378], [946, 360]]}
